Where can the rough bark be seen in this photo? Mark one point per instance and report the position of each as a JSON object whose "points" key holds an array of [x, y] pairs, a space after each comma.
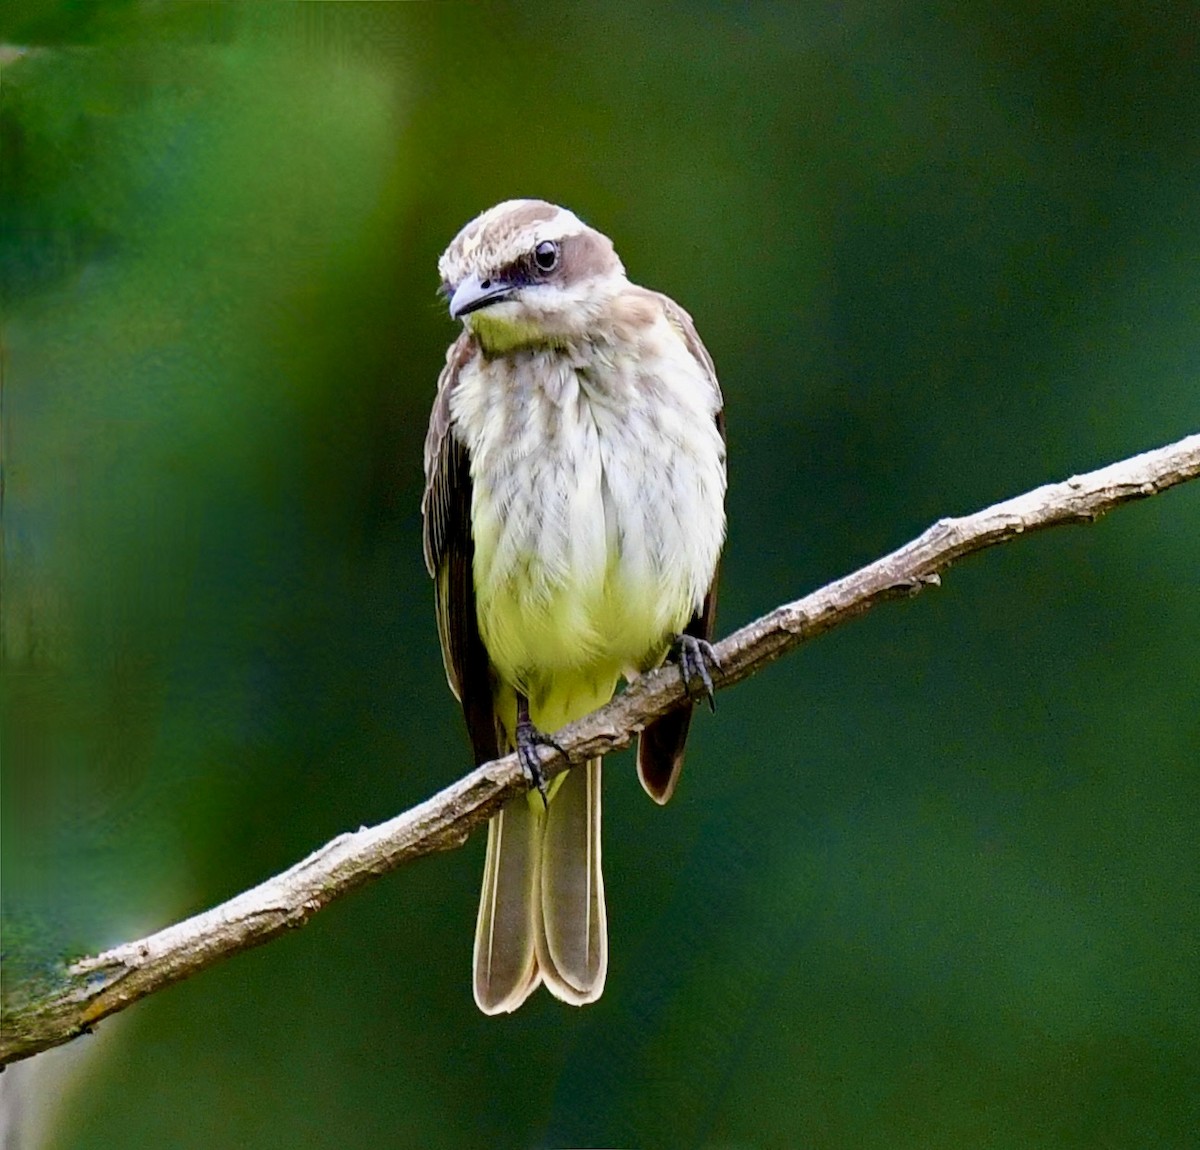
{"points": [[74, 999]]}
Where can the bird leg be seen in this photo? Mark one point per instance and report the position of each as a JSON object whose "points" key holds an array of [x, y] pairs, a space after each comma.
{"points": [[695, 657], [529, 738]]}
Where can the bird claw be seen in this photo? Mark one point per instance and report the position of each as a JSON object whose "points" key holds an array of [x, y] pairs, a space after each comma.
{"points": [[529, 739], [695, 657]]}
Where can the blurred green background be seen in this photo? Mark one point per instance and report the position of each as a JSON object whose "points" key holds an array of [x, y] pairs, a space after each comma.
{"points": [[932, 882]]}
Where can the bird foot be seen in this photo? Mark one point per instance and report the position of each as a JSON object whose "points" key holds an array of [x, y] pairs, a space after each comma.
{"points": [[695, 658], [529, 739]]}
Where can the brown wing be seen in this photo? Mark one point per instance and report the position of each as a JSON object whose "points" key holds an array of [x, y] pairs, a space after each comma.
{"points": [[661, 744], [449, 554]]}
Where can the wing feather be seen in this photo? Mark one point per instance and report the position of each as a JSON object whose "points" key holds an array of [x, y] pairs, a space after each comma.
{"points": [[449, 556], [661, 745]]}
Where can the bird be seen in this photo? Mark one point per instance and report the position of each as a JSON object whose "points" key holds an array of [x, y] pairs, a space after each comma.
{"points": [[573, 524]]}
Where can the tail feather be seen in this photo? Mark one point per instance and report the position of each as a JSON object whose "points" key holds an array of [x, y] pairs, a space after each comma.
{"points": [[506, 970], [572, 940], [541, 911]]}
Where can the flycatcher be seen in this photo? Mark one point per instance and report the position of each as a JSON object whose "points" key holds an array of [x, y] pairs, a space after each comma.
{"points": [[574, 514]]}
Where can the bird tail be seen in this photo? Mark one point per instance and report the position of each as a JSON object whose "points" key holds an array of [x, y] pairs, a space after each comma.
{"points": [[541, 912]]}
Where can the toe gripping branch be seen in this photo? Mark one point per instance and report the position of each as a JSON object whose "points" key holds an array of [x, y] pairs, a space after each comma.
{"points": [[529, 739], [696, 657]]}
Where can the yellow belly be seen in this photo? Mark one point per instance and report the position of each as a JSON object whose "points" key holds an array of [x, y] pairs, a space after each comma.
{"points": [[566, 646]]}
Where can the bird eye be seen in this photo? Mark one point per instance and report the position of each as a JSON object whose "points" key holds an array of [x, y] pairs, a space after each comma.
{"points": [[545, 255]]}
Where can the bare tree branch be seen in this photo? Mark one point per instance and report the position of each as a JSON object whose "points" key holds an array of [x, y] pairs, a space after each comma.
{"points": [[39, 1016]]}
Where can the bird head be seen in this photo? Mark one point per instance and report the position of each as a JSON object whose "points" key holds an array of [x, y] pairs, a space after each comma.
{"points": [[529, 274]]}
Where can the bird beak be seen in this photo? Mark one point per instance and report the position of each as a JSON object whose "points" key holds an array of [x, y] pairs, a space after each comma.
{"points": [[474, 293]]}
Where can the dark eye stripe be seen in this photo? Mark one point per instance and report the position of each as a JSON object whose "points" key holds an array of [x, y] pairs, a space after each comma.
{"points": [[519, 273], [580, 257]]}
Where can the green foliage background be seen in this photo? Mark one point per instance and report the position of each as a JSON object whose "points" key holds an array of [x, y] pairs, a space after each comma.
{"points": [[932, 882]]}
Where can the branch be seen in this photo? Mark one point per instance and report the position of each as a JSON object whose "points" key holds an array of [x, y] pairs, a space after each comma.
{"points": [[36, 1017]]}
